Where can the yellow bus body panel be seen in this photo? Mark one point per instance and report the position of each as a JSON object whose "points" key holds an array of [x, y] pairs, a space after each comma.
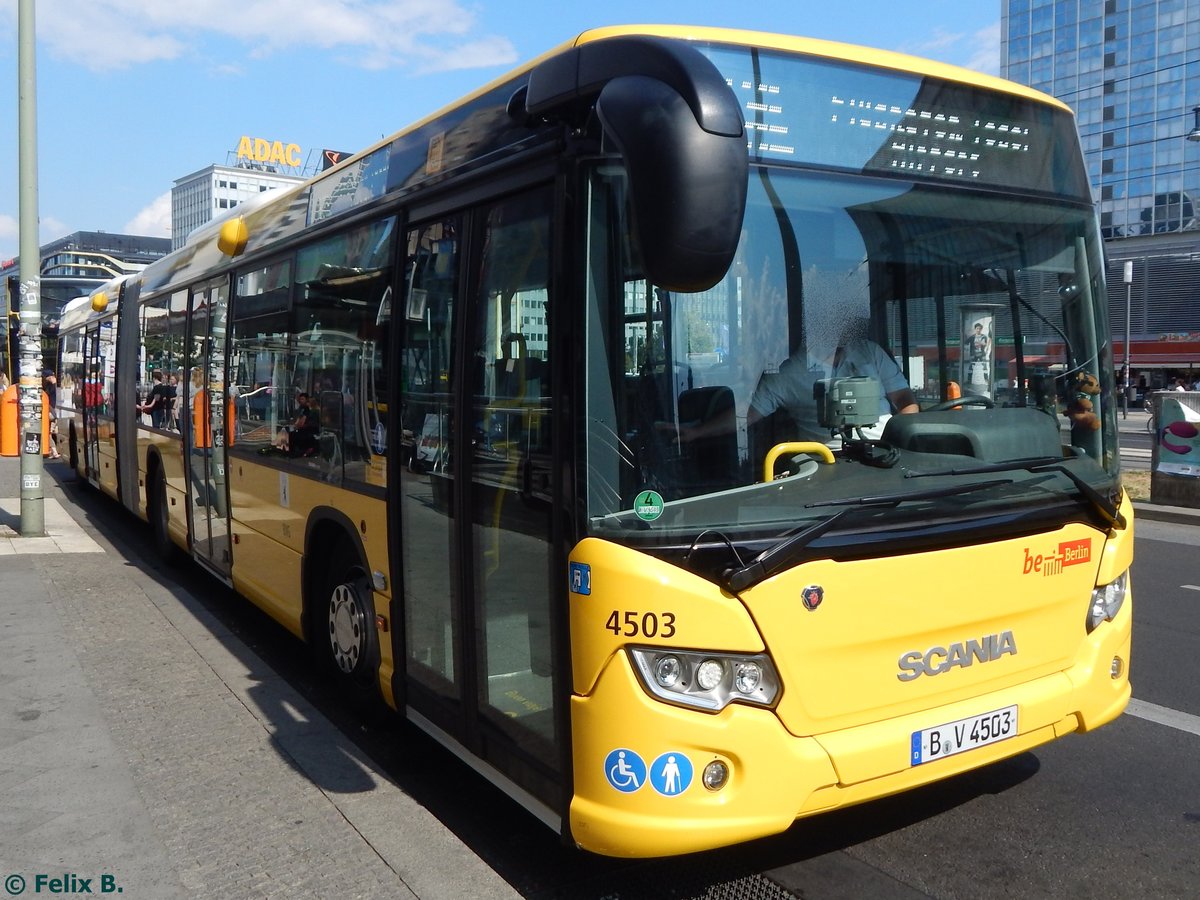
{"points": [[268, 536], [106, 458], [626, 581], [841, 732], [269, 540]]}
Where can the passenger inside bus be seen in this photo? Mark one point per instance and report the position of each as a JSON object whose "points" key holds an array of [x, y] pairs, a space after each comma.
{"points": [[300, 438]]}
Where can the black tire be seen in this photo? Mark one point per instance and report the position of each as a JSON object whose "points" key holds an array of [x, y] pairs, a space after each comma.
{"points": [[158, 512], [343, 625]]}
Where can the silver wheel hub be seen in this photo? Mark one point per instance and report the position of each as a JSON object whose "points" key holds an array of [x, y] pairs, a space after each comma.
{"points": [[347, 630]]}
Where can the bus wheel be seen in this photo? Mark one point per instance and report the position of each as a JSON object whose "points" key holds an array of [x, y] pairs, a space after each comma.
{"points": [[158, 512], [345, 625]]}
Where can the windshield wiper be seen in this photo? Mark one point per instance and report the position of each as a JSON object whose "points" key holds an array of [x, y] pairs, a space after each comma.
{"points": [[896, 499], [1103, 505], [786, 553]]}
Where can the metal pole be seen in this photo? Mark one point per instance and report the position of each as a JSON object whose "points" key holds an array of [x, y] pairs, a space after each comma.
{"points": [[30, 392], [1128, 304]]}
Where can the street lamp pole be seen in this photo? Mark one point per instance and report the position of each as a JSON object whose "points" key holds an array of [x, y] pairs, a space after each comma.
{"points": [[30, 391], [1128, 304]]}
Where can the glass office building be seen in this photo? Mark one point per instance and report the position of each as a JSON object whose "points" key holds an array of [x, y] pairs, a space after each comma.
{"points": [[1131, 71]]}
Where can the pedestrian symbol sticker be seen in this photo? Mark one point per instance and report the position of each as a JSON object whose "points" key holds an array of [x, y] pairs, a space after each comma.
{"points": [[671, 773], [648, 506], [625, 770]]}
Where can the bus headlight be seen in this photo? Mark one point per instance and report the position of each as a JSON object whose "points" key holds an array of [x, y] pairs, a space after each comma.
{"points": [[703, 680], [667, 671], [1106, 601], [710, 674]]}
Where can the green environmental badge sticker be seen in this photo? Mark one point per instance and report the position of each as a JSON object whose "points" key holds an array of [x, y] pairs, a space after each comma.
{"points": [[648, 506]]}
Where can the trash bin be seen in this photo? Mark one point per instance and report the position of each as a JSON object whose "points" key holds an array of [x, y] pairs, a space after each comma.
{"points": [[1175, 449], [10, 423]]}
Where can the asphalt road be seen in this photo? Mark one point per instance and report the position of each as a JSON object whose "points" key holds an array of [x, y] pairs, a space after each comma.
{"points": [[1113, 814]]}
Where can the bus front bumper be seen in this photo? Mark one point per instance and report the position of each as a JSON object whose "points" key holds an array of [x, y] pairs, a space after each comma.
{"points": [[639, 763]]}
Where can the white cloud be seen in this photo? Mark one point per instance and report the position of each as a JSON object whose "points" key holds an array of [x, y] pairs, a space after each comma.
{"points": [[51, 228], [153, 220], [424, 34], [986, 55], [979, 51]]}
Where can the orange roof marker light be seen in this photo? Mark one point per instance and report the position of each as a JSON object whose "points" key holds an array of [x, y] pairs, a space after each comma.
{"points": [[233, 237]]}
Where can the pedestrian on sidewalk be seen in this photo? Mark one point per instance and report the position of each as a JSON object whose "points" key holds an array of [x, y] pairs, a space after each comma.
{"points": [[50, 386]]}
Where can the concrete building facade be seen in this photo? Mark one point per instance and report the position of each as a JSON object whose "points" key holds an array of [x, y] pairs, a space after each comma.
{"points": [[199, 198]]}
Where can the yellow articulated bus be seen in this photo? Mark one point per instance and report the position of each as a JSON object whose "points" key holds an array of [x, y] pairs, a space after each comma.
{"points": [[693, 430]]}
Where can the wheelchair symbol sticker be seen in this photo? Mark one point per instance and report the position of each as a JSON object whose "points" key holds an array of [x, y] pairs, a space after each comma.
{"points": [[671, 774], [581, 578], [625, 770]]}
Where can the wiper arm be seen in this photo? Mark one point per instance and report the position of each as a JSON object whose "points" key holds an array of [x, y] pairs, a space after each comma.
{"points": [[896, 499], [1107, 509], [775, 559], [784, 554]]}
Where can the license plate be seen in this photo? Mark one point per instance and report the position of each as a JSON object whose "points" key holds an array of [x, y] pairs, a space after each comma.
{"points": [[966, 734]]}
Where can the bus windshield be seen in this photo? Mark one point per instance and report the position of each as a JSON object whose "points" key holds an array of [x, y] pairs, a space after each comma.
{"points": [[853, 302]]}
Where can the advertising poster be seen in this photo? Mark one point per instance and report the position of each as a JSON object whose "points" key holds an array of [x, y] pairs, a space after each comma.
{"points": [[1178, 439], [978, 349]]}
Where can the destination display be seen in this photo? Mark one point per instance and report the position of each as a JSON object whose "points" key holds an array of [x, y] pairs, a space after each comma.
{"points": [[814, 111]]}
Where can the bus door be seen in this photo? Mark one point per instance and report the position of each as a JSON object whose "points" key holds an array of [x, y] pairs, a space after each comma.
{"points": [[92, 400], [476, 509], [204, 422]]}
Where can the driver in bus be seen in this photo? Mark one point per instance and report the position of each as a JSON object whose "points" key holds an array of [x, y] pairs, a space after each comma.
{"points": [[791, 389]]}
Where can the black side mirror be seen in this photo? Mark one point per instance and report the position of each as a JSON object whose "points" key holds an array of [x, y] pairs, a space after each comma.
{"points": [[688, 185]]}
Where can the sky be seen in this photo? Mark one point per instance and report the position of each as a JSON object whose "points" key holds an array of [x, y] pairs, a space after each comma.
{"points": [[134, 94]]}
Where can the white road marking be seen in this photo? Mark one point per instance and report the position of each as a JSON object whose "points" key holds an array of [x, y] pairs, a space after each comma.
{"points": [[1172, 718], [1191, 587]]}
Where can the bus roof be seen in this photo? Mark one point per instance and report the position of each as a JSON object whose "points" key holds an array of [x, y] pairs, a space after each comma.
{"points": [[812, 46], [75, 313], [281, 212], [855, 53]]}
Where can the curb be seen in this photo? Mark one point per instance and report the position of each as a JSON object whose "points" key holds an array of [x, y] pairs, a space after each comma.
{"points": [[1155, 512]]}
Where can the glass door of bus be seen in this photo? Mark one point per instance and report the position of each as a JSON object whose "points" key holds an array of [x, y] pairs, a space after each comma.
{"points": [[205, 413], [93, 400], [476, 506]]}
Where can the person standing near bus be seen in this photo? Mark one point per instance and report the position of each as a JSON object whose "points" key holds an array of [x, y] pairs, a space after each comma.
{"points": [[50, 386]]}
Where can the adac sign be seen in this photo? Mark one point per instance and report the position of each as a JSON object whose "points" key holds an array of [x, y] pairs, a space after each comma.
{"points": [[264, 151]]}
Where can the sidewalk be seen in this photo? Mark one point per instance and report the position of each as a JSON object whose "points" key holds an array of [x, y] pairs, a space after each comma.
{"points": [[143, 747]]}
